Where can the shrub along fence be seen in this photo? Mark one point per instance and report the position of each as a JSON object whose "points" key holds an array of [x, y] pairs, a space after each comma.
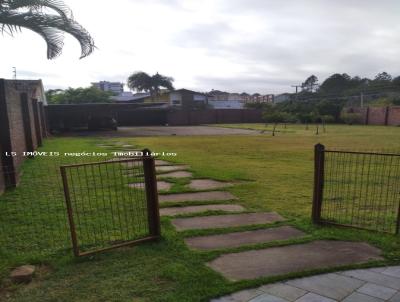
{"points": [[357, 189]]}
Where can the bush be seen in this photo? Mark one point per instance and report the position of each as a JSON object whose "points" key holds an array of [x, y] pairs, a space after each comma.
{"points": [[351, 118]]}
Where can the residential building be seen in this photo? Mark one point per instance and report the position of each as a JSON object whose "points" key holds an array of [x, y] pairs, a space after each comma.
{"points": [[188, 99], [115, 87], [233, 104], [282, 98], [128, 97]]}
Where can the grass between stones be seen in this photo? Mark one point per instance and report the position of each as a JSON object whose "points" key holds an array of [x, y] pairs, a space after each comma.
{"points": [[277, 174]]}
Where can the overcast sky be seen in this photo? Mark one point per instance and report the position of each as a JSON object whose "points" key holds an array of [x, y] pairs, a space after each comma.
{"points": [[260, 46]]}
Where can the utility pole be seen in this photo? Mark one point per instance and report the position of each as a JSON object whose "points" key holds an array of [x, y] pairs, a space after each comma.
{"points": [[297, 89], [15, 73]]}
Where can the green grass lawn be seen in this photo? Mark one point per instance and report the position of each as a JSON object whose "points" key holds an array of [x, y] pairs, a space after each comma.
{"points": [[270, 174]]}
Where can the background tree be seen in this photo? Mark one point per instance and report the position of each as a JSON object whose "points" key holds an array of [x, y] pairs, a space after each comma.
{"points": [[310, 84], [30, 14], [142, 81], [78, 96]]}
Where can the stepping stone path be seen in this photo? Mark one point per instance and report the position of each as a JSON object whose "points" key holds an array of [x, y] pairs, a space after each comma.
{"points": [[161, 186], [201, 196], [231, 240], [198, 209], [277, 261], [177, 174], [161, 169], [207, 184], [357, 285], [225, 221]]}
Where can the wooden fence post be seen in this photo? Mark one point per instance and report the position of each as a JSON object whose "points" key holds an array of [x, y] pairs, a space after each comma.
{"points": [[319, 163], [151, 193]]}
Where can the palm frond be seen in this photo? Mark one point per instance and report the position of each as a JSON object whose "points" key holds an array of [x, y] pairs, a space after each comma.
{"points": [[57, 5], [51, 28]]}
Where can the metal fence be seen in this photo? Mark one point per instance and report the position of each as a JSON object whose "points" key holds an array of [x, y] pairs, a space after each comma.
{"points": [[98, 205], [357, 189]]}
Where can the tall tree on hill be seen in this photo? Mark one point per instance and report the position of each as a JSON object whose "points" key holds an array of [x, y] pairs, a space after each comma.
{"points": [[142, 81], [310, 84], [33, 15], [336, 84]]}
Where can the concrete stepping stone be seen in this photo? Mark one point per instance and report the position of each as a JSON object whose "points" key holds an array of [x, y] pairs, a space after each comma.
{"points": [[200, 196], [293, 258], [243, 238], [171, 168], [161, 186], [160, 162], [207, 184], [177, 174], [225, 221], [198, 209]]}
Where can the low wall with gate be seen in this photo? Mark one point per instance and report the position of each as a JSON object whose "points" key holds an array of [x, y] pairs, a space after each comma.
{"points": [[70, 116], [22, 125]]}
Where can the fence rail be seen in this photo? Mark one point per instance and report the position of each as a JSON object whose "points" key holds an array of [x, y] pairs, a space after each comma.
{"points": [[357, 189]]}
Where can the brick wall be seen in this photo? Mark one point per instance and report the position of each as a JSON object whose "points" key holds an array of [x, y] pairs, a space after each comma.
{"points": [[394, 116], [378, 115], [20, 126]]}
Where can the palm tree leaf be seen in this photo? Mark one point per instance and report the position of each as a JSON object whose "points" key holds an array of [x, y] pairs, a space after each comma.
{"points": [[51, 28], [56, 5]]}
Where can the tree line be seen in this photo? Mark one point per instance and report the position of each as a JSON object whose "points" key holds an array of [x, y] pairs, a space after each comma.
{"points": [[324, 103]]}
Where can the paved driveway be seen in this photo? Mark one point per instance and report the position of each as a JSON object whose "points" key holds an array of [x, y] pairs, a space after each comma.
{"points": [[166, 131]]}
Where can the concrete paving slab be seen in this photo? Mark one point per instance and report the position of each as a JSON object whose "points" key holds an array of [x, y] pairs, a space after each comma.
{"points": [[242, 296], [207, 184], [200, 196], [357, 297], [283, 291], [333, 286], [311, 297], [267, 298], [161, 169], [160, 162], [395, 298], [393, 271], [293, 258], [161, 186], [198, 209], [377, 278], [243, 238], [225, 221], [377, 291], [177, 174]]}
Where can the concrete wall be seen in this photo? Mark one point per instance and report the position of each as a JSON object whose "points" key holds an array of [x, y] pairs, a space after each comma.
{"points": [[21, 124]]}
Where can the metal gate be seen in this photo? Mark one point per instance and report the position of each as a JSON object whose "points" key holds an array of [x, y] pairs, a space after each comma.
{"points": [[357, 189], [111, 204]]}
